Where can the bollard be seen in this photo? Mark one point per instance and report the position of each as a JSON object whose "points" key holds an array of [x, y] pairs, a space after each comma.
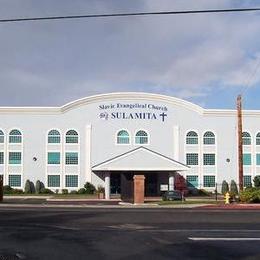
{"points": [[227, 198], [1, 188]]}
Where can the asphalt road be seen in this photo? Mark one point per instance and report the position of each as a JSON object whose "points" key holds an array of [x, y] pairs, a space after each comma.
{"points": [[76, 234]]}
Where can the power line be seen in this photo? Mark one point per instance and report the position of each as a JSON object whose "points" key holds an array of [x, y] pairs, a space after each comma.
{"points": [[129, 14]]}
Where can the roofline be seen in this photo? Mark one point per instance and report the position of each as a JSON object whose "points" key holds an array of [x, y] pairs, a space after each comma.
{"points": [[133, 150], [125, 96]]}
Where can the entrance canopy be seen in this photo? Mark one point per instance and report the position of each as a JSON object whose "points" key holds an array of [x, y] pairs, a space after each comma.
{"points": [[140, 159]]}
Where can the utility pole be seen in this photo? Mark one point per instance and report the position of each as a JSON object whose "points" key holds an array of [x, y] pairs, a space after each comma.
{"points": [[1, 188], [240, 143]]}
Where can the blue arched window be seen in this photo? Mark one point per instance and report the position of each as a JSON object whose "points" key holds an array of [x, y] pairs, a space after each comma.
{"points": [[192, 138], [54, 137], [141, 137], [209, 138], [72, 137], [246, 138], [15, 136], [123, 137], [2, 136]]}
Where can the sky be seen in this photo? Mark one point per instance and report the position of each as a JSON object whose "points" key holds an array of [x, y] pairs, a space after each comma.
{"points": [[207, 59]]}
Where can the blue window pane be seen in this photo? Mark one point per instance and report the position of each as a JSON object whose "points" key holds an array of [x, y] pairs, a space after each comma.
{"points": [[53, 158], [71, 158], [246, 159], [14, 180], [1, 157], [258, 159], [71, 181], [15, 158], [53, 180]]}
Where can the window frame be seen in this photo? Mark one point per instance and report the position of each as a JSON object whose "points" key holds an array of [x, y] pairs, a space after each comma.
{"points": [[129, 137], [54, 164], [247, 137], [209, 138], [191, 153], [65, 137], [15, 164], [71, 164], [148, 137], [12, 135], [60, 136], [2, 136], [189, 137]]}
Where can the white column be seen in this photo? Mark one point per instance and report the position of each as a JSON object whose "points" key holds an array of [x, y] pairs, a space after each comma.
{"points": [[107, 185], [88, 154], [171, 181], [176, 142]]}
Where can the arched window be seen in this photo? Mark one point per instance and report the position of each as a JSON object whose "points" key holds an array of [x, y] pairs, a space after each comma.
{"points": [[258, 139], [54, 137], [2, 136], [123, 137], [72, 137], [141, 137], [208, 138], [15, 136], [246, 138], [192, 138]]}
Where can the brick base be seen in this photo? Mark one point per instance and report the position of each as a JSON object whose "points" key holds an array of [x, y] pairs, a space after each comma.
{"points": [[139, 189]]}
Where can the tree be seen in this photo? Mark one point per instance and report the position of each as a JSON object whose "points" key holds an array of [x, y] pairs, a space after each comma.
{"points": [[27, 188], [39, 186], [224, 188], [257, 181], [90, 188], [233, 187]]}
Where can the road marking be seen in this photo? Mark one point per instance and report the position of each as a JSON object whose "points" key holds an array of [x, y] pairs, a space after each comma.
{"points": [[225, 238], [203, 230]]}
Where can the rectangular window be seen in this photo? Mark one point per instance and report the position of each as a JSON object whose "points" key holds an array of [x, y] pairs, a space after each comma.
{"points": [[15, 157], [208, 159], [258, 159], [246, 159], [53, 158], [209, 181], [192, 159], [247, 180], [71, 158], [1, 157], [71, 181], [2, 139], [53, 139], [15, 139], [53, 180], [192, 181], [14, 180]]}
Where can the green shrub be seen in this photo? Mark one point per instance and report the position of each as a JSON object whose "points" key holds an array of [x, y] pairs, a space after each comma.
{"points": [[224, 188], [250, 195], [257, 181], [27, 188], [46, 191], [90, 188], [73, 192], [17, 191], [64, 191], [202, 192], [81, 191], [38, 187], [7, 189], [233, 188]]}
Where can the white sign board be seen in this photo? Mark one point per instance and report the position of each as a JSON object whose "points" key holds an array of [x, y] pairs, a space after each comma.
{"points": [[164, 187]]}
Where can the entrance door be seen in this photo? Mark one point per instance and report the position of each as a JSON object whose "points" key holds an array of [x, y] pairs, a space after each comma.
{"points": [[151, 188], [115, 183]]}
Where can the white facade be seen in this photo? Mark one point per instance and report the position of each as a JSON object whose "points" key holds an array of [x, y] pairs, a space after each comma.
{"points": [[97, 121]]}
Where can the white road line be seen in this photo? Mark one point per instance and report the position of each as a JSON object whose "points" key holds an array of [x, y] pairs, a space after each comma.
{"points": [[225, 238], [202, 230]]}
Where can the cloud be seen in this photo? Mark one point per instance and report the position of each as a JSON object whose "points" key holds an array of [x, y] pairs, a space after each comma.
{"points": [[189, 56]]}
